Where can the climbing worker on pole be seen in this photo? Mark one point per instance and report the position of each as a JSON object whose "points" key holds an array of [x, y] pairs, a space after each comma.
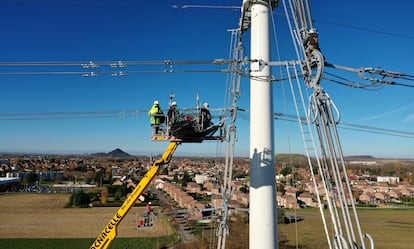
{"points": [[311, 42], [156, 117]]}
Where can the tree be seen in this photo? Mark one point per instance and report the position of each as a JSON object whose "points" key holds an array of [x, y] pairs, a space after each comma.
{"points": [[104, 195], [31, 178], [79, 199], [244, 189], [164, 171], [99, 176], [186, 178], [286, 171]]}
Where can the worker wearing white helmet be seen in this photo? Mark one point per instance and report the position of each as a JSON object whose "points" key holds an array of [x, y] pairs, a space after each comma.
{"points": [[173, 115], [156, 117], [205, 119], [311, 42]]}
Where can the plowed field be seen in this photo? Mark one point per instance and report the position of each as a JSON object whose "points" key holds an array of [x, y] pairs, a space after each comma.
{"points": [[45, 216]]}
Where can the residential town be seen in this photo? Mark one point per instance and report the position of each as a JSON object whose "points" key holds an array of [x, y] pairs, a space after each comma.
{"points": [[194, 183]]}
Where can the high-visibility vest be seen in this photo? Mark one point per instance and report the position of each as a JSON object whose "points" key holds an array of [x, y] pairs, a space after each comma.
{"points": [[156, 115]]}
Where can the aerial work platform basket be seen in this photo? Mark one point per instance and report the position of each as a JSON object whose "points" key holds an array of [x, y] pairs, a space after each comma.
{"points": [[190, 131]]}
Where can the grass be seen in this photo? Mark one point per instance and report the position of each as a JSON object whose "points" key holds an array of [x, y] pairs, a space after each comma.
{"points": [[41, 221], [44, 216], [390, 228], [82, 243]]}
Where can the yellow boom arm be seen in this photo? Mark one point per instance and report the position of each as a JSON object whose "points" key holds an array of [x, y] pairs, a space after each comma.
{"points": [[109, 232]]}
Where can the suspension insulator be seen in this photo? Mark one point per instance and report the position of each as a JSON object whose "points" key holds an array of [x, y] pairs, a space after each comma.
{"points": [[313, 69]]}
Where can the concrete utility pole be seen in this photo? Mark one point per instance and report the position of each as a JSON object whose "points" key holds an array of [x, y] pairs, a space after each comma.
{"points": [[263, 217]]}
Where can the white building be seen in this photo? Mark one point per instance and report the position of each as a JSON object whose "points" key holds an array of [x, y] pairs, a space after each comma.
{"points": [[395, 180], [200, 179]]}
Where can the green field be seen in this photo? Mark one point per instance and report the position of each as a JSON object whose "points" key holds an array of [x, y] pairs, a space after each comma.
{"points": [[118, 243], [34, 221], [390, 228], [41, 221]]}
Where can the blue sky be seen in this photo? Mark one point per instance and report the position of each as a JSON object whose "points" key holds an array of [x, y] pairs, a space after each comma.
{"points": [[352, 33]]}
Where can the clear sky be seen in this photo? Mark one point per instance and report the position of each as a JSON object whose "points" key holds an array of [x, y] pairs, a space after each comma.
{"points": [[352, 33]]}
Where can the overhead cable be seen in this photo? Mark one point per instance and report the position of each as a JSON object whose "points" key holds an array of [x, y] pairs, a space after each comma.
{"points": [[363, 128]]}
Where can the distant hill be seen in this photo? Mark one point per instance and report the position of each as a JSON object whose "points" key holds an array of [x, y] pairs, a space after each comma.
{"points": [[118, 153], [300, 157], [360, 157], [290, 157], [115, 153]]}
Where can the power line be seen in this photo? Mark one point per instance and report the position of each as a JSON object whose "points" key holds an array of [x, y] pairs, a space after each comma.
{"points": [[115, 73], [89, 114], [411, 37], [365, 29], [137, 113], [376, 76], [118, 68], [356, 127], [125, 68], [114, 63], [205, 7], [71, 115]]}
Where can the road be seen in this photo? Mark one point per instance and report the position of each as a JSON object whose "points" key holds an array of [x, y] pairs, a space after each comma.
{"points": [[179, 215]]}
